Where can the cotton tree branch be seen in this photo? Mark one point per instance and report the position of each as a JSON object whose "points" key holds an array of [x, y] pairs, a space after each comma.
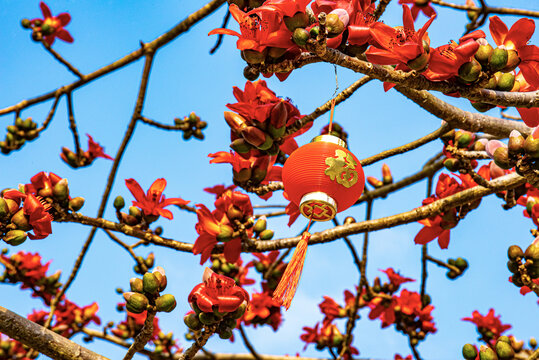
{"points": [[129, 249], [142, 337], [73, 124], [488, 9], [63, 61], [380, 8], [41, 339], [461, 119], [248, 344], [147, 48]]}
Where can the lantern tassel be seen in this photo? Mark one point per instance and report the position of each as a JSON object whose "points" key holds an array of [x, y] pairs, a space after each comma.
{"points": [[285, 291]]}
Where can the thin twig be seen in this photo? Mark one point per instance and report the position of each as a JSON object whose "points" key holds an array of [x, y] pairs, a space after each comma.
{"points": [[62, 60], [161, 126], [248, 344], [220, 37], [443, 264], [73, 124], [50, 115], [114, 238]]}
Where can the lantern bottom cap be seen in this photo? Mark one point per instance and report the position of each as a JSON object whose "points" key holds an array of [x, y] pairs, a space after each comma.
{"points": [[318, 205]]}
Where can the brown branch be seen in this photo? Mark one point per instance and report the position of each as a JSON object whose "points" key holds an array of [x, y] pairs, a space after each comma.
{"points": [[488, 9], [159, 125], [50, 115], [263, 357], [73, 124], [128, 248], [143, 336], [248, 344], [414, 350], [147, 48], [41, 339], [63, 61], [463, 119], [407, 147], [221, 36], [380, 9], [443, 264], [535, 355], [198, 344], [322, 109], [271, 214]]}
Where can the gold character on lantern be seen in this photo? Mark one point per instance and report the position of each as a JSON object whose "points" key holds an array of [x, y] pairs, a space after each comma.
{"points": [[341, 168]]}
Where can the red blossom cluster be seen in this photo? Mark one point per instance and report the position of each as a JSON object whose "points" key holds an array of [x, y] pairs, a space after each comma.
{"points": [[489, 326], [69, 318], [49, 27], [439, 226], [259, 124], [87, 157], [225, 224], [12, 349]]}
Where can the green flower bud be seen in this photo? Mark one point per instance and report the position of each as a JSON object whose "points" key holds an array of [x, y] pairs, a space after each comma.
{"points": [[334, 25], [225, 333], [532, 343], [47, 29], [20, 221], [531, 147], [276, 133], [469, 72], [504, 350], [483, 53], [242, 176], [532, 253], [512, 266], [419, 63], [516, 143], [135, 302], [512, 61], [506, 81], [150, 284], [225, 233], [482, 107], [469, 352], [486, 353], [300, 36], [4, 208], [238, 313], [119, 203], [463, 138], [240, 146], [299, 20], [260, 225], [165, 303], [192, 321], [498, 59], [501, 158], [461, 263], [452, 164], [314, 32], [233, 213], [12, 129], [254, 57], [135, 212], [268, 142], [76, 204], [136, 285], [251, 73], [258, 175], [504, 339], [452, 274], [266, 234], [514, 252], [25, 23], [15, 237], [207, 318]]}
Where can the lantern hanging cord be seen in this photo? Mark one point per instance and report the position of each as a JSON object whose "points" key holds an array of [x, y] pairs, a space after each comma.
{"points": [[333, 101]]}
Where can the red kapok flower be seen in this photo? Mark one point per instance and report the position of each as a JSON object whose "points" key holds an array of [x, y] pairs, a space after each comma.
{"points": [[56, 24], [95, 150], [489, 322], [517, 39], [42, 183], [395, 278], [38, 216], [217, 292], [153, 202], [423, 6]]}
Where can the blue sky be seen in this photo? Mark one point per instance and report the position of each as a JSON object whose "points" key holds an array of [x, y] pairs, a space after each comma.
{"points": [[186, 78]]}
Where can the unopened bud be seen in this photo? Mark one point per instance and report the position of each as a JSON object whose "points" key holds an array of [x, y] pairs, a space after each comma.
{"points": [[501, 158], [238, 313], [240, 146], [461, 263], [254, 57], [299, 20], [452, 164], [504, 350], [225, 233], [279, 115], [533, 343], [463, 138], [483, 53], [135, 302], [76, 203], [374, 182], [387, 178], [532, 252], [149, 261], [419, 63], [25, 23], [150, 284], [517, 345], [235, 121], [469, 352], [486, 353], [469, 72], [480, 145], [135, 212], [531, 146], [498, 59], [506, 81], [260, 225], [514, 252], [276, 52], [255, 136], [207, 318], [266, 234], [512, 61], [165, 303], [276, 133], [4, 208], [300, 36], [516, 142], [336, 22], [15, 237], [192, 321], [136, 285], [251, 73], [233, 213], [258, 175], [119, 203], [20, 221]]}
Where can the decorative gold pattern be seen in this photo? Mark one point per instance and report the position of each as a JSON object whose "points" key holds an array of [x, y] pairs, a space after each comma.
{"points": [[341, 168], [319, 210]]}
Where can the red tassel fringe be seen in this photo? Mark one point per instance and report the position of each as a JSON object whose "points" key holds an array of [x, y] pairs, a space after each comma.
{"points": [[285, 291]]}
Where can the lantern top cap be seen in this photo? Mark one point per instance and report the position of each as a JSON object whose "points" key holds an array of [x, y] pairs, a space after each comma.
{"points": [[331, 139]]}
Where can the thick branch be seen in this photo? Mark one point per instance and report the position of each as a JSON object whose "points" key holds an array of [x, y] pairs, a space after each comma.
{"points": [[45, 341], [488, 9], [142, 338]]}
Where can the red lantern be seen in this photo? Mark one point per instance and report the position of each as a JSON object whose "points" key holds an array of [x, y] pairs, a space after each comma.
{"points": [[322, 178]]}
